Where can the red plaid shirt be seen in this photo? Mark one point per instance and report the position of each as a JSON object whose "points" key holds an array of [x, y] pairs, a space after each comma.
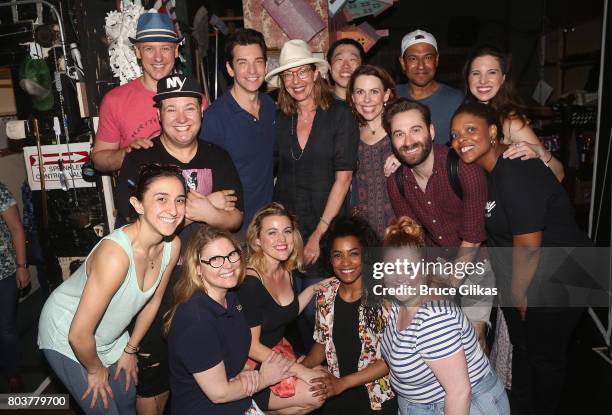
{"points": [[447, 220]]}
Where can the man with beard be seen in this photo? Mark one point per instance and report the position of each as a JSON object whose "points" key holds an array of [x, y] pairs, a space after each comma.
{"points": [[452, 223], [419, 61]]}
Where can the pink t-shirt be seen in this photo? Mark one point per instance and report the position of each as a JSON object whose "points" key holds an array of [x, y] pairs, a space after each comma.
{"points": [[127, 113]]}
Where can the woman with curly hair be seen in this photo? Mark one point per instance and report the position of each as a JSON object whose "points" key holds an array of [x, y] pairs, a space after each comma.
{"points": [[347, 330]]}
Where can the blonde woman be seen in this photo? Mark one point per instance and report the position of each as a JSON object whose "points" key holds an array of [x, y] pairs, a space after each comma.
{"points": [[208, 335], [270, 303]]}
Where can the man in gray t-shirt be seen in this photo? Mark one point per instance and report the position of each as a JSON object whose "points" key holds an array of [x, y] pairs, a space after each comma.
{"points": [[419, 60]]}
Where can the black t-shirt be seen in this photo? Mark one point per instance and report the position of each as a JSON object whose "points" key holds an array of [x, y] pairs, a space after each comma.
{"points": [[525, 197], [346, 335], [260, 309], [210, 170], [305, 177]]}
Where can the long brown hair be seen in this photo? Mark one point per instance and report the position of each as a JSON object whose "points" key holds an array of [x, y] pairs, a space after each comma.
{"points": [[507, 102], [371, 70], [322, 95], [190, 282], [255, 253]]}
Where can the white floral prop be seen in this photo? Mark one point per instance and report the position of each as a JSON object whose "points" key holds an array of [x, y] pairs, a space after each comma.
{"points": [[119, 26]]}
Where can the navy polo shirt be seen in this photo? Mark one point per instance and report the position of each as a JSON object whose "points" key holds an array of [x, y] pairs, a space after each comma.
{"points": [[203, 334], [249, 142]]}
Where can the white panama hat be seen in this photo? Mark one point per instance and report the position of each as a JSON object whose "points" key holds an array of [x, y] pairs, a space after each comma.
{"points": [[293, 54]]}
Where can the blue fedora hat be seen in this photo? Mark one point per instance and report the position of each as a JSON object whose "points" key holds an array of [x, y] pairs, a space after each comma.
{"points": [[155, 27]]}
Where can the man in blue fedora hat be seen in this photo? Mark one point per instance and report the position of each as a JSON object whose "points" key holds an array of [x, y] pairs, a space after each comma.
{"points": [[128, 118]]}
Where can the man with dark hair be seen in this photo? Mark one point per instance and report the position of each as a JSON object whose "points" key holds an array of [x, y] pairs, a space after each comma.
{"points": [[419, 61], [242, 120], [423, 190], [215, 198], [344, 56]]}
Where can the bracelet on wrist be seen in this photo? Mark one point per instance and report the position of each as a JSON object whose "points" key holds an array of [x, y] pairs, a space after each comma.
{"points": [[547, 162], [324, 221], [132, 348], [126, 352]]}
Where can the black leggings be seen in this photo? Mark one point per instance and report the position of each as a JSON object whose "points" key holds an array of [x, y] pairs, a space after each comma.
{"points": [[539, 356]]}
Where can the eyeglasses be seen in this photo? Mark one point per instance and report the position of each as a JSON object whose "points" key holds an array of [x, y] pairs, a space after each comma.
{"points": [[217, 261], [302, 74]]}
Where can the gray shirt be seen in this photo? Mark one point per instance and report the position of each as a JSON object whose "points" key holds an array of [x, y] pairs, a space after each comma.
{"points": [[443, 103]]}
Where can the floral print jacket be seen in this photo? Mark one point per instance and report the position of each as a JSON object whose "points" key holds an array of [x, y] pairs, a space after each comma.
{"points": [[379, 390]]}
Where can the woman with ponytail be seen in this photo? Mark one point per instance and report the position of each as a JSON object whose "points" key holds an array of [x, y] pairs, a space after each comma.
{"points": [[83, 327], [436, 363]]}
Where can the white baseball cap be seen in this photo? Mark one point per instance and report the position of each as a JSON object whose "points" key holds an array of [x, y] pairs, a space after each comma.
{"points": [[418, 36]]}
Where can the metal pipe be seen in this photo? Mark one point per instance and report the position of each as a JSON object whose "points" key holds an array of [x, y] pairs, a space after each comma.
{"points": [[57, 15]]}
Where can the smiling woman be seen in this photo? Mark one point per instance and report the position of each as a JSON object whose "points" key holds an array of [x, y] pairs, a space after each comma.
{"points": [[83, 325], [317, 145], [348, 328], [208, 335], [269, 303], [369, 90], [527, 209], [487, 80]]}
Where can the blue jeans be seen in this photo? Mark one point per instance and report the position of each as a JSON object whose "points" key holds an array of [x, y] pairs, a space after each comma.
{"points": [[74, 376], [488, 398], [9, 340]]}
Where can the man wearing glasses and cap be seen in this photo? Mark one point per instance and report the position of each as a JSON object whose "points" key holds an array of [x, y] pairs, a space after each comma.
{"points": [[215, 197], [419, 61], [128, 119]]}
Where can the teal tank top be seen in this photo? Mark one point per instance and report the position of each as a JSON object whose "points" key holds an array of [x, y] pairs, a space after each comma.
{"points": [[111, 334]]}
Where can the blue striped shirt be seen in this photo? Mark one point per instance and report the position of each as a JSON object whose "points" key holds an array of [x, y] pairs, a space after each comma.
{"points": [[438, 330]]}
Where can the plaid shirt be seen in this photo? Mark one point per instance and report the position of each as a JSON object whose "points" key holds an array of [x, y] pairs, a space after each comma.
{"points": [[447, 220]]}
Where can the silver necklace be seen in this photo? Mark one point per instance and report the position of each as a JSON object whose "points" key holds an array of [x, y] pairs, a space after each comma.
{"points": [[291, 143]]}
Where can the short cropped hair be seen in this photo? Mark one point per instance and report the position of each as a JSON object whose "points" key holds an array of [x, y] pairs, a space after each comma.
{"points": [[244, 37], [404, 105]]}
